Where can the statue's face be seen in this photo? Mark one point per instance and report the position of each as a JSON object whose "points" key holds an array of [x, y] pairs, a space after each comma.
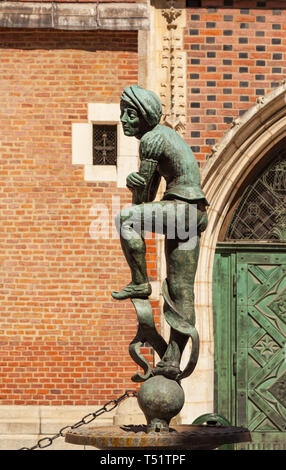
{"points": [[132, 123]]}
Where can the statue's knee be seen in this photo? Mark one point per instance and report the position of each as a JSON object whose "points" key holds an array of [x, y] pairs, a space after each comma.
{"points": [[121, 217], [117, 221]]}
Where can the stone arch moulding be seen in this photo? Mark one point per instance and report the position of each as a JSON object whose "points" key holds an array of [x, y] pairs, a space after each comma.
{"points": [[232, 159]]}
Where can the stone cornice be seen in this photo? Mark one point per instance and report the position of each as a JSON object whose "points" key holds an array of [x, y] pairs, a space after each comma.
{"points": [[74, 16]]}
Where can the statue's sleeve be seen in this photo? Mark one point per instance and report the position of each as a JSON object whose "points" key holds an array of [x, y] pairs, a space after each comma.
{"points": [[151, 149]]}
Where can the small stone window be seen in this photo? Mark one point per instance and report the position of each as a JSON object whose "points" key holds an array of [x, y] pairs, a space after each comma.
{"points": [[102, 147], [104, 144]]}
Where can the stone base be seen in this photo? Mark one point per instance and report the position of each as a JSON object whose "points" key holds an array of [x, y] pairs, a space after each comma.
{"points": [[189, 437]]}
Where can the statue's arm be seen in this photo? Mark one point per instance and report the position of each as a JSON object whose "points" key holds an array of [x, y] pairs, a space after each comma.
{"points": [[154, 185], [144, 183]]}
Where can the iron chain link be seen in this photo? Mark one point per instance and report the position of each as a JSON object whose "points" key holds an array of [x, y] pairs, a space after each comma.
{"points": [[109, 406]]}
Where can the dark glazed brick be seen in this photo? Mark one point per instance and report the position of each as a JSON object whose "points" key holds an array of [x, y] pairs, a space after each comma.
{"points": [[211, 112], [193, 3], [227, 47]]}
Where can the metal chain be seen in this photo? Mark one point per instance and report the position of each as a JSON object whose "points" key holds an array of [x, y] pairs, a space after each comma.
{"points": [[109, 406]]}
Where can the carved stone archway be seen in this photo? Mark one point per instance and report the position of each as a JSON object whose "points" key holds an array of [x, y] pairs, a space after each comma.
{"points": [[232, 160]]}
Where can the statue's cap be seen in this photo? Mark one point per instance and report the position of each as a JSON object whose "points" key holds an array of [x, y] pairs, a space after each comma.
{"points": [[146, 101]]}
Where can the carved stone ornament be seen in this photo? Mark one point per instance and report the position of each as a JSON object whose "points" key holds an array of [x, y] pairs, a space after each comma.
{"points": [[173, 67], [171, 15]]}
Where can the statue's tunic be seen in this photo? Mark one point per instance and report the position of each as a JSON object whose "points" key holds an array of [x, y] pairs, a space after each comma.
{"points": [[175, 162]]}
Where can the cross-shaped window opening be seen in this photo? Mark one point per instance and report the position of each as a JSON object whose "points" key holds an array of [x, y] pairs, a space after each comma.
{"points": [[104, 144]]}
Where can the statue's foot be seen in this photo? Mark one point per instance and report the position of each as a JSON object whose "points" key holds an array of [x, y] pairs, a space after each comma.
{"points": [[158, 425], [170, 369], [133, 291]]}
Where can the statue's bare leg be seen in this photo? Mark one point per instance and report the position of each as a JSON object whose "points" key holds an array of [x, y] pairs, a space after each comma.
{"points": [[181, 270], [131, 222], [130, 225]]}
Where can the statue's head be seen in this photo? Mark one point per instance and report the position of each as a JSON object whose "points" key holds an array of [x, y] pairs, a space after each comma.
{"points": [[141, 110]]}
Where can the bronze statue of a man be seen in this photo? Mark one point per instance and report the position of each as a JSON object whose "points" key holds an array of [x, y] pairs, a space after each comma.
{"points": [[163, 153]]}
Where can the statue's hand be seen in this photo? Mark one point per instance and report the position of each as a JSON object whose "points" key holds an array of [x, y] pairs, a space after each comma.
{"points": [[134, 181]]}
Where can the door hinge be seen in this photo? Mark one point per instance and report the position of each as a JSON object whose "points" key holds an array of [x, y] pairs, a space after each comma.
{"points": [[234, 285], [234, 363]]}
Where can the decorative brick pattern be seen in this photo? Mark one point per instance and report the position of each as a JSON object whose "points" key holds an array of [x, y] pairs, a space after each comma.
{"points": [[81, 1], [235, 53], [63, 340]]}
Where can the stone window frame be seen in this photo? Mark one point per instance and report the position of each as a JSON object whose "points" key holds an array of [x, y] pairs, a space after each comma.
{"points": [[82, 146]]}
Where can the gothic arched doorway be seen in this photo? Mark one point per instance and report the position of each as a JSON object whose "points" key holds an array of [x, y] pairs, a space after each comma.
{"points": [[250, 305]]}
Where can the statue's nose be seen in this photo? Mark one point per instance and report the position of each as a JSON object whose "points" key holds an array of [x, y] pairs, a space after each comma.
{"points": [[124, 117]]}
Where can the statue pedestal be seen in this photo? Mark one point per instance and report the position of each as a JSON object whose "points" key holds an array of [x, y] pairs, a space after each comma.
{"points": [[182, 437]]}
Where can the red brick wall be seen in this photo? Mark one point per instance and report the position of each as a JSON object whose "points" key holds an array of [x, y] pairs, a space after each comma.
{"points": [[80, 1], [235, 54], [63, 340]]}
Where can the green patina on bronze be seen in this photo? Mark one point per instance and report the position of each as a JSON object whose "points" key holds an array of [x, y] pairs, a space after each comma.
{"points": [[163, 153]]}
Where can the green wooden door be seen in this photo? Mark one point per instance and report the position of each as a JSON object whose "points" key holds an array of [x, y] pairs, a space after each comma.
{"points": [[251, 382]]}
